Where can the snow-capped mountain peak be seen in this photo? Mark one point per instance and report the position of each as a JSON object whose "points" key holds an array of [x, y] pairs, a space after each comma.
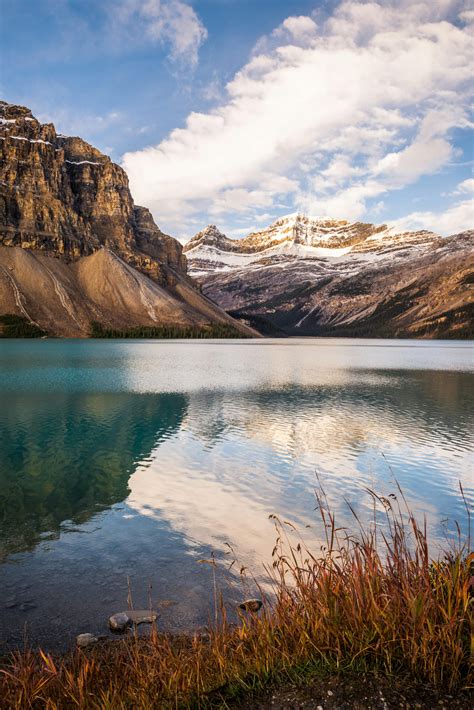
{"points": [[319, 276], [210, 236], [298, 236]]}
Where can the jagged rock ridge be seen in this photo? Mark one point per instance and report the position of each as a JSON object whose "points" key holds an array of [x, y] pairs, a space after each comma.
{"points": [[61, 203], [316, 276]]}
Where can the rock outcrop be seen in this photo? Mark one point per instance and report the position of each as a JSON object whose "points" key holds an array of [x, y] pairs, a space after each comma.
{"points": [[73, 246], [312, 276]]}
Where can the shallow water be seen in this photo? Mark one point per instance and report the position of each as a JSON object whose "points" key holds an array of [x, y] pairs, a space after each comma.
{"points": [[123, 463]]}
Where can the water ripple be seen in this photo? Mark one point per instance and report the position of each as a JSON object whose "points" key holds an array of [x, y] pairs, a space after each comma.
{"points": [[163, 452]]}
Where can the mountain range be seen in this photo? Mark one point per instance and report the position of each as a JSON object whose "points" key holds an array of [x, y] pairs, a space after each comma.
{"points": [[76, 254], [78, 257], [313, 276]]}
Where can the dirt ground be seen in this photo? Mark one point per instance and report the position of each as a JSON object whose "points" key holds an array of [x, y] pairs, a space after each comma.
{"points": [[357, 693]]}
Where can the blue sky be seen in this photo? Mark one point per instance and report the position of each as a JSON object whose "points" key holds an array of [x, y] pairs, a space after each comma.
{"points": [[238, 111]]}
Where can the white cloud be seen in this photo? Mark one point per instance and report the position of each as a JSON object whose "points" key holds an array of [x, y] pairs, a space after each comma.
{"points": [[418, 158], [299, 29], [240, 199], [457, 218], [348, 203], [466, 187], [301, 25], [212, 91], [346, 112], [173, 23], [467, 16], [118, 27]]}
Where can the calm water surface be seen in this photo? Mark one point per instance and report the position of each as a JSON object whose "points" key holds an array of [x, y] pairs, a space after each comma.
{"points": [[123, 463]]}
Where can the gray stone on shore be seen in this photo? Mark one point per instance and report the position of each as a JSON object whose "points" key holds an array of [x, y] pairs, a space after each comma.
{"points": [[252, 605], [124, 619], [84, 640], [120, 621]]}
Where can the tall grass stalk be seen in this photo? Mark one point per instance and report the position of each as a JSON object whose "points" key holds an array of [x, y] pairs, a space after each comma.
{"points": [[369, 601]]}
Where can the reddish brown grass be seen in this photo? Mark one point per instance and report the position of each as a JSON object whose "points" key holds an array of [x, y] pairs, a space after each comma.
{"points": [[372, 601]]}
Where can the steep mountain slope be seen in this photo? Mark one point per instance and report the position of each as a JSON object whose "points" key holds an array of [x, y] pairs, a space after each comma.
{"points": [[313, 276], [74, 248]]}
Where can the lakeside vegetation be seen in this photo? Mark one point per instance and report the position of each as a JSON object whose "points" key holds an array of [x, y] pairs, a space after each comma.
{"points": [[367, 602], [13, 326], [170, 332]]}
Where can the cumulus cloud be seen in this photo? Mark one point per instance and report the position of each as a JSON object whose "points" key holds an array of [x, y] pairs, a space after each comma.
{"points": [[344, 112], [298, 27]]}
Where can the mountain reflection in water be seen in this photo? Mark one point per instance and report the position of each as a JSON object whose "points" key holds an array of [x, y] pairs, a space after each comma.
{"points": [[65, 458], [126, 462]]}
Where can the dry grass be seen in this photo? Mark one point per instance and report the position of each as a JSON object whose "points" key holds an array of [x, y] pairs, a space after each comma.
{"points": [[367, 602]]}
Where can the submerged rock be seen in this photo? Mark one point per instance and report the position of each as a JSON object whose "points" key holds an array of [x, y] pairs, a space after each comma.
{"points": [[120, 621], [84, 640], [252, 605], [142, 616]]}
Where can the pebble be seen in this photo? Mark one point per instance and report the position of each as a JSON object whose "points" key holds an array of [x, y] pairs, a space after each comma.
{"points": [[84, 640]]}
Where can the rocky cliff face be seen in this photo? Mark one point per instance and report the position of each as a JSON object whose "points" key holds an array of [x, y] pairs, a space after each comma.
{"points": [[62, 203], [64, 197], [312, 276]]}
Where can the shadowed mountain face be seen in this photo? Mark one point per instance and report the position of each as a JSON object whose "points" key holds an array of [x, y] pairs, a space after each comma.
{"points": [[311, 276], [73, 246]]}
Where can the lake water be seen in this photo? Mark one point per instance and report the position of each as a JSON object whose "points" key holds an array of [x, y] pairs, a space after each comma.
{"points": [[123, 463]]}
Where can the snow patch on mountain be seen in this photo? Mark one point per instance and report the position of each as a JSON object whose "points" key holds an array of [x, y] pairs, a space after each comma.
{"points": [[299, 237], [316, 276]]}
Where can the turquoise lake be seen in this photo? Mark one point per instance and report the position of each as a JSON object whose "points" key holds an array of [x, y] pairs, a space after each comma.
{"points": [[124, 463]]}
